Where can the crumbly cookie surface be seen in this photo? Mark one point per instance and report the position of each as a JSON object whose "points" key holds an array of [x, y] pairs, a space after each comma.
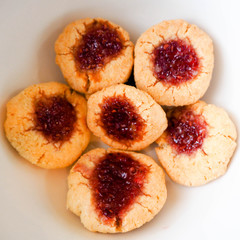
{"points": [[80, 198], [133, 119], [187, 92], [211, 159], [116, 70], [35, 144]]}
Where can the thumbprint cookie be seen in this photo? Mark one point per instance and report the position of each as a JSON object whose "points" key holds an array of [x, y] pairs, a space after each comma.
{"points": [[46, 124], [93, 54], [125, 117], [115, 191], [198, 144], [174, 62]]}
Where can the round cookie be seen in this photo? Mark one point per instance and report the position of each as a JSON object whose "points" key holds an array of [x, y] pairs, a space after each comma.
{"points": [[93, 54], [174, 62], [46, 124], [125, 117], [115, 191], [197, 145]]}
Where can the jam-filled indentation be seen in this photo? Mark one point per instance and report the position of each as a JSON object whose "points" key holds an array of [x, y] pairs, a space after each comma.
{"points": [[120, 120], [175, 62], [100, 43], [55, 117], [117, 180], [186, 130]]}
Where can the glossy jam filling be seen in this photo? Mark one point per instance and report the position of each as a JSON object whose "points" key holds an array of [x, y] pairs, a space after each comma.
{"points": [[186, 130], [175, 62], [117, 181], [55, 118], [120, 120], [100, 43]]}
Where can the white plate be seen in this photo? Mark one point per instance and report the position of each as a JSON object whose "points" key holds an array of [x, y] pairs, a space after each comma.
{"points": [[32, 199]]}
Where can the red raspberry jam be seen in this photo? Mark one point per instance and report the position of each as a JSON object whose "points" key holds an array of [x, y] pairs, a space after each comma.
{"points": [[55, 117], [120, 120], [186, 130], [116, 182], [175, 62], [100, 43]]}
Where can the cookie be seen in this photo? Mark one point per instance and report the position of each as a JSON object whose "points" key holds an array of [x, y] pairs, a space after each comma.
{"points": [[125, 117], [198, 144], [174, 62], [115, 191], [93, 54], [46, 124]]}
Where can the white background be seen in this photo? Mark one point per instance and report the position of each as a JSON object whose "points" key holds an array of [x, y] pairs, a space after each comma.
{"points": [[32, 200]]}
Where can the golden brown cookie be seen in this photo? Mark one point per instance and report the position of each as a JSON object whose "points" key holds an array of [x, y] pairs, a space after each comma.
{"points": [[93, 54], [115, 191], [125, 117], [198, 144], [174, 62], [46, 124]]}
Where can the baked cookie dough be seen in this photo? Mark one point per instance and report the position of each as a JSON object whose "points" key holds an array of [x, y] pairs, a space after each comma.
{"points": [[46, 124], [93, 54], [198, 144], [125, 117], [115, 191], [174, 62]]}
